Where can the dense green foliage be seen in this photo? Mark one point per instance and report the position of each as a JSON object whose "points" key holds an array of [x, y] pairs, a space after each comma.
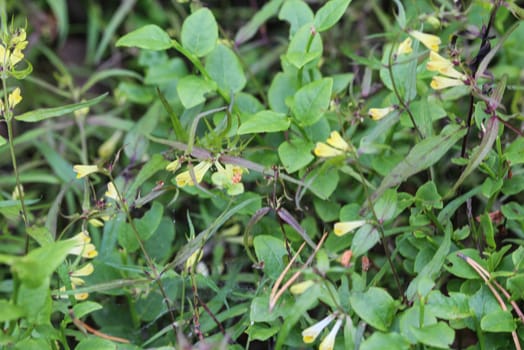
{"points": [[331, 174]]}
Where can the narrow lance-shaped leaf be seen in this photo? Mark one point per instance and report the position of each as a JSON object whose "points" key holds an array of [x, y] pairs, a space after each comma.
{"points": [[248, 30], [46, 113], [481, 152], [421, 156]]}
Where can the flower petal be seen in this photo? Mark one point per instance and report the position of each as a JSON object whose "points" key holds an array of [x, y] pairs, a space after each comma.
{"points": [[341, 228], [430, 41]]}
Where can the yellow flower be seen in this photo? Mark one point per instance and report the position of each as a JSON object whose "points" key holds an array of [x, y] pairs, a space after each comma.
{"points": [[86, 270], [337, 141], [76, 281], [16, 193], [335, 146], [111, 191], [379, 113], [405, 47], [84, 170], [310, 334], [83, 246], [107, 149], [173, 166], [439, 64], [13, 99], [329, 341], [326, 151], [184, 179], [229, 177], [432, 42], [439, 82], [194, 259], [301, 287], [341, 228]]}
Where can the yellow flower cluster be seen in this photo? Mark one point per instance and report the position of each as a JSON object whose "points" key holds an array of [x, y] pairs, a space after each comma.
{"points": [[13, 99], [227, 177], [11, 52], [451, 77], [335, 146], [328, 343], [84, 248]]}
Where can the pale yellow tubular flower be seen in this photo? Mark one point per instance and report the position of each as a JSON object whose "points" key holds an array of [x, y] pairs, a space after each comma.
{"points": [[337, 141], [173, 166], [83, 247], [430, 41], [111, 191], [14, 98], [85, 270], [405, 47], [299, 288], [311, 333], [341, 228], [329, 341], [19, 39], [439, 83], [84, 170], [184, 179], [439, 64], [379, 113], [325, 151], [107, 149], [16, 193]]}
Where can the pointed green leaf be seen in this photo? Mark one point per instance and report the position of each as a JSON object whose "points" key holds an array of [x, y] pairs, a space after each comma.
{"points": [[295, 154], [329, 14], [422, 155], [149, 37], [192, 90], [247, 31], [375, 306], [297, 13], [265, 121], [492, 130], [225, 69], [200, 32], [46, 113], [438, 335], [312, 100]]}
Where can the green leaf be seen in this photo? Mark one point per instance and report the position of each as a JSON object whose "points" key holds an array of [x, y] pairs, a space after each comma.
{"points": [[433, 268], [149, 37], [37, 266], [86, 307], [91, 343], [513, 211], [300, 59], [481, 151], [200, 32], [428, 196], [148, 224], [460, 268], [329, 14], [40, 234], [283, 86], [421, 156], [259, 310], [295, 154], [269, 251], [375, 306], [297, 13], [312, 100], [323, 181], [192, 90], [439, 335], [381, 341], [265, 121], [225, 69], [46, 113], [498, 321], [247, 31], [154, 165], [365, 238], [9, 311]]}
